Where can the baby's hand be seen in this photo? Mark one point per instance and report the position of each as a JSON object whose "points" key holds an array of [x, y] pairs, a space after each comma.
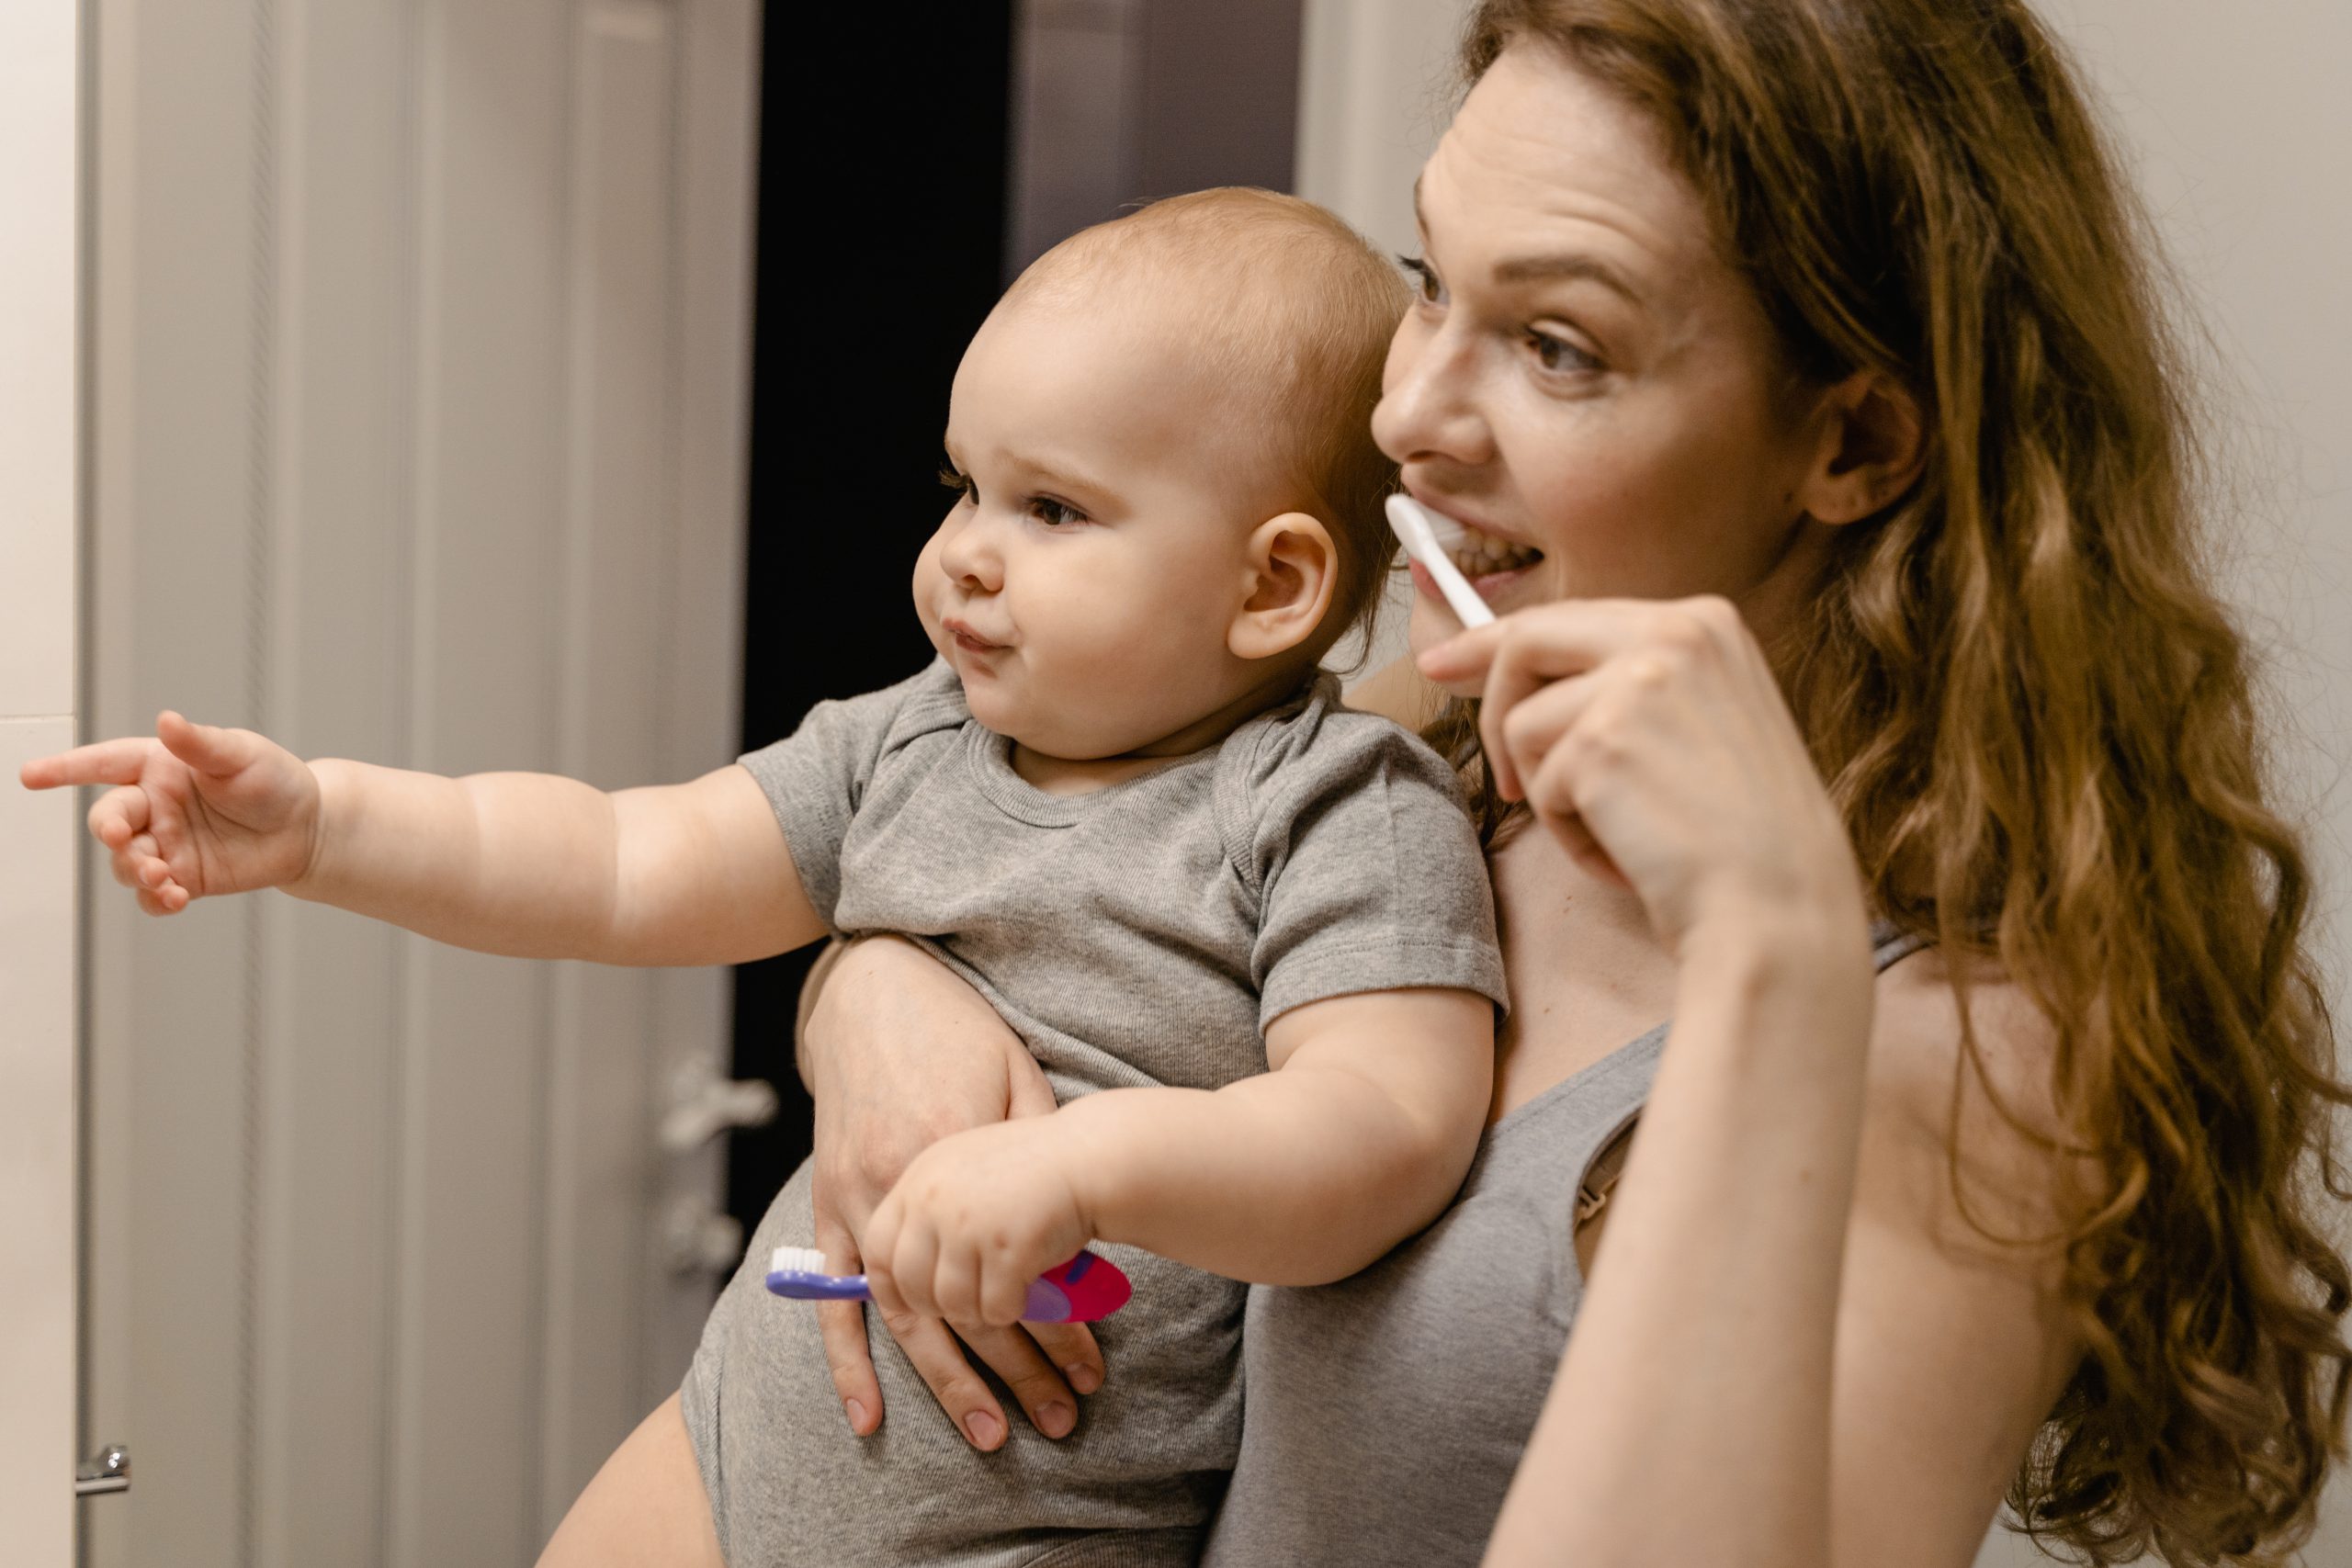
{"points": [[196, 811], [975, 1219]]}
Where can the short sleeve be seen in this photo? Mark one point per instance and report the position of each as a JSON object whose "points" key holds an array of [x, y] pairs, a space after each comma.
{"points": [[1371, 876], [815, 777]]}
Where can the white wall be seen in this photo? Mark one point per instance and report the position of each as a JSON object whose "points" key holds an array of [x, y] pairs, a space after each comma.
{"points": [[2239, 127]]}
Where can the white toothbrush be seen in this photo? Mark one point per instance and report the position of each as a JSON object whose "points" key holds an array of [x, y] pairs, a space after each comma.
{"points": [[1418, 530]]}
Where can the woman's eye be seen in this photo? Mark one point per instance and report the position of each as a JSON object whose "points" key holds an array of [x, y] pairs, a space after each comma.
{"points": [[960, 482], [1558, 353], [1426, 287], [1054, 513]]}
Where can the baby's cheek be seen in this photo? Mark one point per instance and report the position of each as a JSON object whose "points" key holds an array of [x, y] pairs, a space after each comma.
{"points": [[928, 585]]}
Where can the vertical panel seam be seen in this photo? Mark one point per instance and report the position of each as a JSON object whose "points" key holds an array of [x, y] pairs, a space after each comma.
{"points": [[409, 307], [85, 294], [259, 456]]}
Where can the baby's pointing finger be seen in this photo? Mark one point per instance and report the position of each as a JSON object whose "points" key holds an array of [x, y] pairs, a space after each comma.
{"points": [[104, 762]]}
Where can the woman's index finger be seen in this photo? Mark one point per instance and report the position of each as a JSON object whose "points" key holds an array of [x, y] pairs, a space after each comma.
{"points": [[103, 762]]}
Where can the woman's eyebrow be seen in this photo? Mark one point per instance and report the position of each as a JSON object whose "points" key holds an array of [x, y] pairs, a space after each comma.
{"points": [[1555, 268], [1543, 269]]}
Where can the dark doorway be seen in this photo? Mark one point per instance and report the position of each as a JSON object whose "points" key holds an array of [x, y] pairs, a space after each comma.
{"points": [[881, 241], [904, 171]]}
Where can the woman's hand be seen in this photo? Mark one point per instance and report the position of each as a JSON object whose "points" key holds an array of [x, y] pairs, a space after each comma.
{"points": [[900, 1054], [1651, 737], [196, 812]]}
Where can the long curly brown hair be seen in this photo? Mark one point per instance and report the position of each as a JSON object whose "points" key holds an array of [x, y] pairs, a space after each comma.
{"points": [[2033, 712]]}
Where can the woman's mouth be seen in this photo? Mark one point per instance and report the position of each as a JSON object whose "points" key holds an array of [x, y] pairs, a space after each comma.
{"points": [[1477, 554], [1489, 561]]}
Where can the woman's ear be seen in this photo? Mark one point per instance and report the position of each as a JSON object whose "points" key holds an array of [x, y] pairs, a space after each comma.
{"points": [[1872, 443], [1290, 572]]}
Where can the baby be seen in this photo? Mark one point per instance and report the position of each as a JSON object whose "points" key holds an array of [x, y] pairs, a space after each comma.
{"points": [[1245, 932]]}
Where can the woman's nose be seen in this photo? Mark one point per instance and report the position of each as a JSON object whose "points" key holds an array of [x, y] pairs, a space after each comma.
{"points": [[969, 557], [1430, 399]]}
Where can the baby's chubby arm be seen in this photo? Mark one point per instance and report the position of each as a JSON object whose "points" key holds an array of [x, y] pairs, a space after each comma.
{"points": [[526, 865], [1300, 1176]]}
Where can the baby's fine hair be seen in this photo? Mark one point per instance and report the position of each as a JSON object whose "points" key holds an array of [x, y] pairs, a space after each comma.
{"points": [[1297, 323]]}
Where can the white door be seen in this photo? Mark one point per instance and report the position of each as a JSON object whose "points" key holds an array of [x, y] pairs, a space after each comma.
{"points": [[419, 344], [38, 904]]}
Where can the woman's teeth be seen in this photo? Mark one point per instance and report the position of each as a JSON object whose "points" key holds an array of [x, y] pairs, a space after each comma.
{"points": [[1479, 554]]}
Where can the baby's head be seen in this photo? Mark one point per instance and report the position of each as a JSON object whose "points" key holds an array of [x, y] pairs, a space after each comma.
{"points": [[1170, 499]]}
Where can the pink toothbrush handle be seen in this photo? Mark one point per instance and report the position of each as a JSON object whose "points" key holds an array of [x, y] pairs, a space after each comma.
{"points": [[1086, 1289]]}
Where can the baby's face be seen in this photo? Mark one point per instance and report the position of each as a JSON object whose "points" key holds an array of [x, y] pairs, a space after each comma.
{"points": [[1083, 582]]}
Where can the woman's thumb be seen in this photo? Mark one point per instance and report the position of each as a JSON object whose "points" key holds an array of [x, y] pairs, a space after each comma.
{"points": [[204, 747]]}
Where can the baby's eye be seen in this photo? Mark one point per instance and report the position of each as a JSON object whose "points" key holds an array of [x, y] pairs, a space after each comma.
{"points": [[954, 479], [1054, 513], [1559, 355], [1426, 286]]}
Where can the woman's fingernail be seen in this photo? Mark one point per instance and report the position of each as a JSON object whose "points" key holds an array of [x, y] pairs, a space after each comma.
{"points": [[1056, 1419], [1082, 1377], [856, 1414], [984, 1429]]}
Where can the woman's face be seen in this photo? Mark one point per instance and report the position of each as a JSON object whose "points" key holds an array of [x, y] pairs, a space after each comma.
{"points": [[1584, 375]]}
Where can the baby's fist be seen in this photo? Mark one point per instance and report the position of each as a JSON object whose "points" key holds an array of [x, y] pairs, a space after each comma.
{"points": [[975, 1218]]}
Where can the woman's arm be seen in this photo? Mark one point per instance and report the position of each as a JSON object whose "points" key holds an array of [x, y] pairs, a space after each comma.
{"points": [[899, 1053], [1890, 1438], [1789, 1354]]}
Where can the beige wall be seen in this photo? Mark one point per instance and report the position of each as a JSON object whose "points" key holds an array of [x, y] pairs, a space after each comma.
{"points": [[39, 105], [2237, 122], [419, 348]]}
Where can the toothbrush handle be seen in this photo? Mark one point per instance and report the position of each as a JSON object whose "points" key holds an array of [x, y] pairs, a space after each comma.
{"points": [[1085, 1290]]}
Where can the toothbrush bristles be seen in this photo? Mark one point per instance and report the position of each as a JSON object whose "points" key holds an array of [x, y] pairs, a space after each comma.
{"points": [[797, 1260]]}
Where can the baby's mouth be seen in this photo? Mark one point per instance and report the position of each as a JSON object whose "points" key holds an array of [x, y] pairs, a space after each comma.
{"points": [[1479, 554]]}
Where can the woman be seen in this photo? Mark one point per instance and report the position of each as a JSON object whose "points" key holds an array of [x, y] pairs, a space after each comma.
{"points": [[1867, 715]]}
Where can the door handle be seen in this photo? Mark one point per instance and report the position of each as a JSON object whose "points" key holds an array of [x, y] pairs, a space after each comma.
{"points": [[703, 1104], [108, 1470]]}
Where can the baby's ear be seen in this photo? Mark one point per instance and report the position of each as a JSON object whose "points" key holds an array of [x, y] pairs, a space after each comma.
{"points": [[1289, 575]]}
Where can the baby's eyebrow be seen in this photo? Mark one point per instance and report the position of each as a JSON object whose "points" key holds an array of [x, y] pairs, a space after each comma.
{"points": [[1062, 477]]}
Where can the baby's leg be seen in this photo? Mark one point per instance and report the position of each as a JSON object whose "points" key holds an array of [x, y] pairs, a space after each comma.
{"points": [[646, 1509]]}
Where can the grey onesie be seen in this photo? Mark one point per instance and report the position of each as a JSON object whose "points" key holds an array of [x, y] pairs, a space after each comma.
{"points": [[1141, 934]]}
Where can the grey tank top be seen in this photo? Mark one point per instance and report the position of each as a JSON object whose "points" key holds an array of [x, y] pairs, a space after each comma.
{"points": [[1383, 1415]]}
